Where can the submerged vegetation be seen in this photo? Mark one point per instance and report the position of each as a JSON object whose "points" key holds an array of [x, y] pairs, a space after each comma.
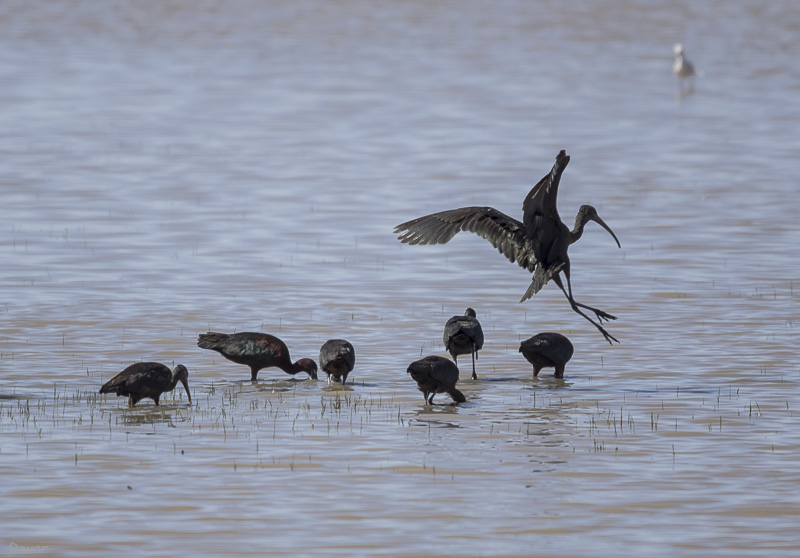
{"points": [[270, 413]]}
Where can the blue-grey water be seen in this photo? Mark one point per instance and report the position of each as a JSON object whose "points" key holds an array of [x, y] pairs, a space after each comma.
{"points": [[169, 168]]}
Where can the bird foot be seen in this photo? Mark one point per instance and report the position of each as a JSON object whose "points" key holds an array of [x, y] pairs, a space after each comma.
{"points": [[601, 315], [604, 315], [607, 335]]}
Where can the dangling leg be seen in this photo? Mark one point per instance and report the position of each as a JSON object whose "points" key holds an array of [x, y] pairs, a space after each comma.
{"points": [[575, 307], [599, 313]]}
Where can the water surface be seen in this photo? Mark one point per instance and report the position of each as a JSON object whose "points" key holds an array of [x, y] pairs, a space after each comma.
{"points": [[169, 169]]}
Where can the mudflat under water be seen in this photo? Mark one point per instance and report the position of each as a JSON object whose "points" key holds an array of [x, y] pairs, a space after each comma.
{"points": [[172, 168]]}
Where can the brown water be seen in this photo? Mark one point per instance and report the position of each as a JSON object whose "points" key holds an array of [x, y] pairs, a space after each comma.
{"points": [[170, 168]]}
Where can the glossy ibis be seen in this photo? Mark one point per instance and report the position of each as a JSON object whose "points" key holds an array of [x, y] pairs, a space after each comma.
{"points": [[256, 350], [337, 358], [147, 379], [463, 335], [547, 349], [435, 374], [539, 243]]}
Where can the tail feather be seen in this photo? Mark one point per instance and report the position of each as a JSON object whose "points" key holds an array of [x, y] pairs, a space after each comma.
{"points": [[536, 285], [113, 385], [540, 278]]}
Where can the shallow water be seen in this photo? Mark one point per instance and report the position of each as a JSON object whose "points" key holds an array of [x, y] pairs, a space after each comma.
{"points": [[169, 169]]}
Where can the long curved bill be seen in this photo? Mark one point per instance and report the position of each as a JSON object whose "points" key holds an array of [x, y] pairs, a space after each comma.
{"points": [[602, 223], [188, 393]]}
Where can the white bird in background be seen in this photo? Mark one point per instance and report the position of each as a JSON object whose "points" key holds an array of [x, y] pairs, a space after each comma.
{"points": [[683, 68]]}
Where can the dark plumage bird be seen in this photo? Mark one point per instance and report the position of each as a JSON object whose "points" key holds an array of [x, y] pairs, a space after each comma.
{"points": [[256, 350], [463, 335], [337, 358], [539, 243], [435, 374], [547, 349], [147, 379]]}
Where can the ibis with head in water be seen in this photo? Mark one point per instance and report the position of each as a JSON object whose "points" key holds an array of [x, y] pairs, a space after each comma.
{"points": [[147, 379], [256, 350]]}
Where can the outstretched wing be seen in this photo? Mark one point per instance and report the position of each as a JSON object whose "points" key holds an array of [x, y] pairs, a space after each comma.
{"points": [[542, 198], [539, 211], [504, 232]]}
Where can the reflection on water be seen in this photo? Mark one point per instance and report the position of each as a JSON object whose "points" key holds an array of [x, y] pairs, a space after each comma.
{"points": [[170, 169], [152, 416]]}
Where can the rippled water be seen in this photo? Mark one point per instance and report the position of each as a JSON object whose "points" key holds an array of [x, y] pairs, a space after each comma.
{"points": [[170, 168]]}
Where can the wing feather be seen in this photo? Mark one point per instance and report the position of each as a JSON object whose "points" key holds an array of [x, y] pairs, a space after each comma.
{"points": [[139, 377], [505, 233], [542, 199]]}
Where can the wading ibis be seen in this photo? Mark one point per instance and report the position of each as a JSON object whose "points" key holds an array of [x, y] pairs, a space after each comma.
{"points": [[435, 374], [463, 335], [337, 358], [147, 379], [256, 350], [545, 350]]}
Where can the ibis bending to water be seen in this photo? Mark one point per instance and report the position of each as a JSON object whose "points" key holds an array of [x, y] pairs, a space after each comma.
{"points": [[337, 358], [547, 349], [539, 243], [435, 374], [256, 350], [463, 335], [147, 379]]}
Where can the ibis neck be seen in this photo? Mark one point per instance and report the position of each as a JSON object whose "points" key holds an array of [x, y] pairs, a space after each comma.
{"points": [[576, 233], [287, 366]]}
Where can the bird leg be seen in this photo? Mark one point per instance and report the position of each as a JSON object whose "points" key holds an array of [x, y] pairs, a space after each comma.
{"points": [[599, 313], [576, 307], [474, 375]]}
